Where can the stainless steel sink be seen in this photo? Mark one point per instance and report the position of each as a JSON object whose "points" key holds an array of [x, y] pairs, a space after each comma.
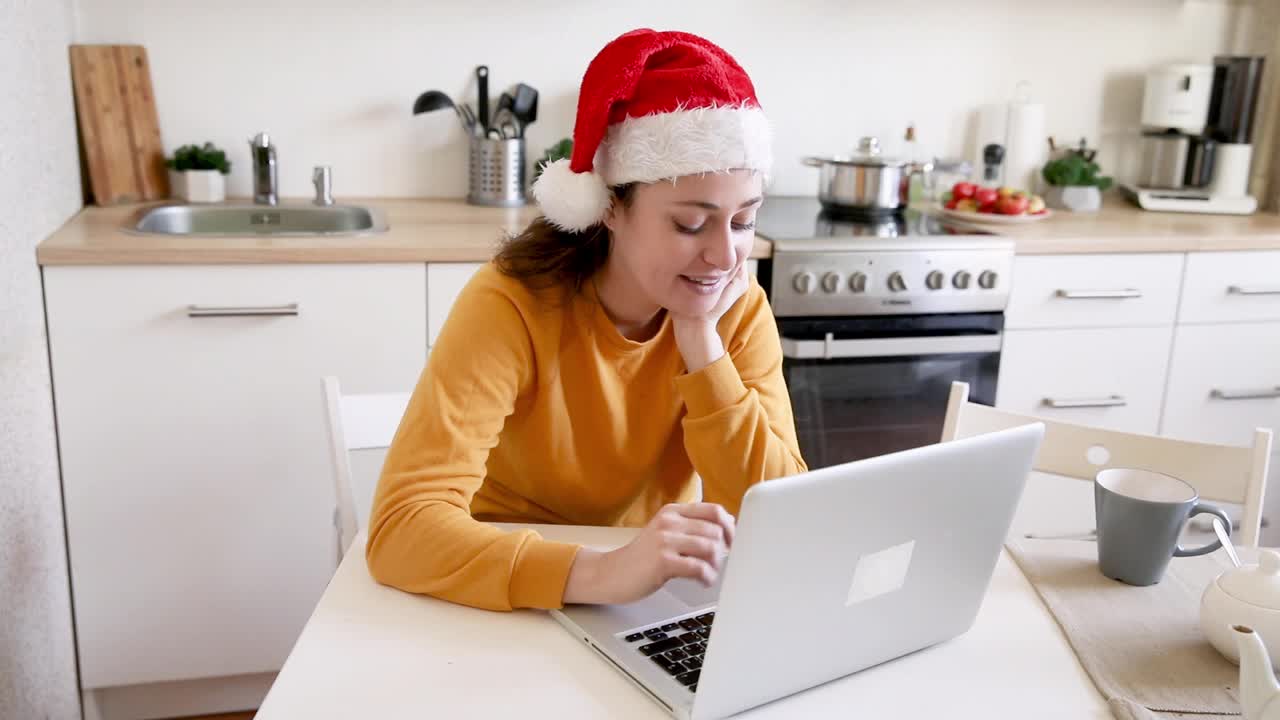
{"points": [[250, 219]]}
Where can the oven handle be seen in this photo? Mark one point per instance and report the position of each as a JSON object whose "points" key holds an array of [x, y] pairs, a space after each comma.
{"points": [[830, 348]]}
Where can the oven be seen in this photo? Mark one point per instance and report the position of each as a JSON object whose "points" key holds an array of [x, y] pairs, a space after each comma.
{"points": [[877, 321]]}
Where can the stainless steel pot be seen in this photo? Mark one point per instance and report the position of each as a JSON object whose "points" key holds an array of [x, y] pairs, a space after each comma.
{"points": [[865, 182]]}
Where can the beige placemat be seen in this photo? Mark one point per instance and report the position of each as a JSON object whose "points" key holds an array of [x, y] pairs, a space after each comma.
{"points": [[1142, 646]]}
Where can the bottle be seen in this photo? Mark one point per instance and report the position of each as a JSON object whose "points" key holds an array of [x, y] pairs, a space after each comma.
{"points": [[915, 186]]}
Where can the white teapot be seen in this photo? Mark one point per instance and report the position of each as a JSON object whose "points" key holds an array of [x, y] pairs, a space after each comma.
{"points": [[1259, 691], [1249, 596]]}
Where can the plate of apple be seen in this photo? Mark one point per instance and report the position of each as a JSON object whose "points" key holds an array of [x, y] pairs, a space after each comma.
{"points": [[1000, 205]]}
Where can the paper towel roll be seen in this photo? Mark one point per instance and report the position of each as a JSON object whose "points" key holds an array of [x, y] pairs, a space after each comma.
{"points": [[1026, 149]]}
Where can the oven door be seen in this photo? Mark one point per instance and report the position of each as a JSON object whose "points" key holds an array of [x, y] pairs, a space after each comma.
{"points": [[862, 387]]}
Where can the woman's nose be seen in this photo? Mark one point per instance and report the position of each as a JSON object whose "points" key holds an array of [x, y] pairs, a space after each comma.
{"points": [[719, 250]]}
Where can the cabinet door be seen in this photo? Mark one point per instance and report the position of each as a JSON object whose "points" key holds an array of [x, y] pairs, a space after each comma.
{"points": [[1094, 290], [444, 282], [198, 491], [1224, 381], [1231, 287], [1105, 377]]}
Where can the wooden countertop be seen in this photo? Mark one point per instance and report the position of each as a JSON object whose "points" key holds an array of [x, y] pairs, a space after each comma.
{"points": [[449, 230]]}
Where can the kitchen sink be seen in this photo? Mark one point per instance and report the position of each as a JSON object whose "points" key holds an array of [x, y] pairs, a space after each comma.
{"points": [[248, 219]]}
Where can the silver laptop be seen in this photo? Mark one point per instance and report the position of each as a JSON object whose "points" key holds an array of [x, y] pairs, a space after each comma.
{"points": [[831, 571]]}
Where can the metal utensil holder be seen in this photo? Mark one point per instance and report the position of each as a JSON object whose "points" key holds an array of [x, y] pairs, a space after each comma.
{"points": [[497, 172]]}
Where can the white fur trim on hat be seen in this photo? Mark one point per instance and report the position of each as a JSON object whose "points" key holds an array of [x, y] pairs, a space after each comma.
{"points": [[685, 142], [571, 201]]}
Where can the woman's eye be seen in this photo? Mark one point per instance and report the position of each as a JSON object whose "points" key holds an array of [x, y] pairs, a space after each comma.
{"points": [[743, 227], [687, 230], [738, 227]]}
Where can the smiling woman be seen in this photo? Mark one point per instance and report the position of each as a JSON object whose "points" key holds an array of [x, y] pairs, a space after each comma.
{"points": [[613, 363]]}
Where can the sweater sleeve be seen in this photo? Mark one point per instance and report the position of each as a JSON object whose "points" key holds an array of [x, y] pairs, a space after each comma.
{"points": [[738, 426], [422, 538]]}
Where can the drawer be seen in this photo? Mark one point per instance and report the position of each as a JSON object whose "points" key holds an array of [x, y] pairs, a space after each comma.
{"points": [[1106, 377], [444, 282], [1231, 287], [1094, 290], [1224, 381]]}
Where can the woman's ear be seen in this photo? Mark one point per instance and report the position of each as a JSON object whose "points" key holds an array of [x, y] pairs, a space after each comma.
{"points": [[611, 215]]}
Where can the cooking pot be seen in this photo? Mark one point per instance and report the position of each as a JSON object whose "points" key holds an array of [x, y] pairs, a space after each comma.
{"points": [[865, 182]]}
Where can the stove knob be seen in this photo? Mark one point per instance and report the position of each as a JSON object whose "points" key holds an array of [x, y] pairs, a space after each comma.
{"points": [[803, 282], [858, 282], [896, 283], [831, 282], [935, 280], [961, 280], [987, 279]]}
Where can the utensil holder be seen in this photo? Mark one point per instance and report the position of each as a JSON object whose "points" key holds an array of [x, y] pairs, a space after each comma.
{"points": [[497, 172]]}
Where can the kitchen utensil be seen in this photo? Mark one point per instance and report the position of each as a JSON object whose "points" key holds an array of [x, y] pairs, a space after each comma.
{"points": [[864, 182], [1224, 536], [119, 124], [482, 99], [1140, 514], [525, 106], [433, 100], [497, 171], [507, 125], [992, 157], [506, 101], [1247, 595], [1259, 691], [469, 118]]}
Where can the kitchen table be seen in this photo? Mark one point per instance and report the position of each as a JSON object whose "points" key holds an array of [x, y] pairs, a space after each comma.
{"points": [[370, 651]]}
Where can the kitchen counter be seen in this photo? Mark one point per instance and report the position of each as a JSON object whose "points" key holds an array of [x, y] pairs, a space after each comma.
{"points": [[449, 230]]}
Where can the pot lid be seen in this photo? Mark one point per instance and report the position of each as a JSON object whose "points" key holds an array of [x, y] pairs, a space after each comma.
{"points": [[1255, 584], [866, 154]]}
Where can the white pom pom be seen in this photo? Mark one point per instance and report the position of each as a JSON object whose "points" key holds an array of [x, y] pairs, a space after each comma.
{"points": [[571, 201]]}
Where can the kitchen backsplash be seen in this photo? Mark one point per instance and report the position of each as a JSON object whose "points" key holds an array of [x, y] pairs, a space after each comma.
{"points": [[334, 82]]}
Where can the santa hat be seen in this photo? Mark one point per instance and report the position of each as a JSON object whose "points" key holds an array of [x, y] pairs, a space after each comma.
{"points": [[653, 106]]}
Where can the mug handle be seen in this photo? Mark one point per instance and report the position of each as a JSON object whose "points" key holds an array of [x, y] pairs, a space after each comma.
{"points": [[1199, 508]]}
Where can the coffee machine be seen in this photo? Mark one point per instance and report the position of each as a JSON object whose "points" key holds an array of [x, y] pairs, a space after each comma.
{"points": [[1197, 137]]}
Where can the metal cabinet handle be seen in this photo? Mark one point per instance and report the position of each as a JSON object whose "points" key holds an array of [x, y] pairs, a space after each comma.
{"points": [[1252, 290], [1264, 394], [207, 311], [1108, 401], [831, 348], [1099, 294]]}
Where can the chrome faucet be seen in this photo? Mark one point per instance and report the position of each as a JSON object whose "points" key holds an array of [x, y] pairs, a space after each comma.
{"points": [[322, 178], [265, 186]]}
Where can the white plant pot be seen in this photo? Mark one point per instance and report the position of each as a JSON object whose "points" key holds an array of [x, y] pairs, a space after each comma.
{"points": [[198, 186], [1075, 198]]}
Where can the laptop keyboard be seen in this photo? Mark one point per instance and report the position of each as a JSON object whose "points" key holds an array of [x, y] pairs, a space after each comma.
{"points": [[677, 647]]}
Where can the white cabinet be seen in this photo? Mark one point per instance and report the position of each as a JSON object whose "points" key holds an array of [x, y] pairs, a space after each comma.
{"points": [[1231, 287], [1094, 290], [198, 493], [1224, 381], [444, 282], [1105, 377]]}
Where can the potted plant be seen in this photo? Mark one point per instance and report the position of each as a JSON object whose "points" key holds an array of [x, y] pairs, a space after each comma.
{"points": [[197, 173], [1074, 182]]}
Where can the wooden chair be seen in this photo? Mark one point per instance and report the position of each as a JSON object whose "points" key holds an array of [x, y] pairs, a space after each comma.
{"points": [[358, 424], [1218, 472]]}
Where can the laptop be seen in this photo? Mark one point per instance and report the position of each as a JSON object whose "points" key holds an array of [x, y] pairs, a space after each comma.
{"points": [[831, 571]]}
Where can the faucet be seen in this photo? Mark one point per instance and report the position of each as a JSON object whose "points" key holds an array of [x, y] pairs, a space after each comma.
{"points": [[265, 187], [322, 178]]}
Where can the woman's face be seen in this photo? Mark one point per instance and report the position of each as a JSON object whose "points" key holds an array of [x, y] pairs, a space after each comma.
{"points": [[679, 243]]}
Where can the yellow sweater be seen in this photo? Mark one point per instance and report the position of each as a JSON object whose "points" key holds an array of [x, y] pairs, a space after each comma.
{"points": [[534, 408]]}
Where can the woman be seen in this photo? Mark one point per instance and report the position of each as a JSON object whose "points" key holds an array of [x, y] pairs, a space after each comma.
{"points": [[612, 361]]}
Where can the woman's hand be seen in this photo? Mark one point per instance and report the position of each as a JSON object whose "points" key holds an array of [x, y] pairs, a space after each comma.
{"points": [[696, 336], [683, 540]]}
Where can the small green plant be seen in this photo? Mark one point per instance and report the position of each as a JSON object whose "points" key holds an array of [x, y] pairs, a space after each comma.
{"points": [[1075, 168], [203, 157], [562, 149]]}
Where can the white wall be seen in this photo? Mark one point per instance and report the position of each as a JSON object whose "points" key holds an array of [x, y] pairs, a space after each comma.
{"points": [[39, 189], [334, 81]]}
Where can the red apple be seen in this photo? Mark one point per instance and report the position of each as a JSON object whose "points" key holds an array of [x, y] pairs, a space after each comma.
{"points": [[1012, 204], [963, 190], [985, 196]]}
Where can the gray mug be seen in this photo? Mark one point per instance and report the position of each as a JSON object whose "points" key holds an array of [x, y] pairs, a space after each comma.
{"points": [[1140, 515]]}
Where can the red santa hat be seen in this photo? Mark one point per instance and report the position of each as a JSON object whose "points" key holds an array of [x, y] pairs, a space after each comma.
{"points": [[653, 106]]}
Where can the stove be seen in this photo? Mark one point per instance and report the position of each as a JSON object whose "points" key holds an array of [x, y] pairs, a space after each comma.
{"points": [[876, 318], [908, 263]]}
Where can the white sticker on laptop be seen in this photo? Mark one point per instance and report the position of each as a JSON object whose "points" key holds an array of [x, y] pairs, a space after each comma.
{"points": [[880, 573]]}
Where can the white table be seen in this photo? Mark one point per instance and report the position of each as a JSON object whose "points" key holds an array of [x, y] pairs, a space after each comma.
{"points": [[370, 651]]}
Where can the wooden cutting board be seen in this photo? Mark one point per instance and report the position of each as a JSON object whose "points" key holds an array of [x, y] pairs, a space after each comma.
{"points": [[119, 125]]}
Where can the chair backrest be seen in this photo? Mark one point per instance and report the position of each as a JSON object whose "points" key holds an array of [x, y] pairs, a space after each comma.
{"points": [[361, 428], [1218, 472]]}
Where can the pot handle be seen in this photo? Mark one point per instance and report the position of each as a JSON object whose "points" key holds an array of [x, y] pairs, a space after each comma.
{"points": [[812, 161]]}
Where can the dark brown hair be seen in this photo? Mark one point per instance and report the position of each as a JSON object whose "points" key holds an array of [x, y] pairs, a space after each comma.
{"points": [[543, 255]]}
